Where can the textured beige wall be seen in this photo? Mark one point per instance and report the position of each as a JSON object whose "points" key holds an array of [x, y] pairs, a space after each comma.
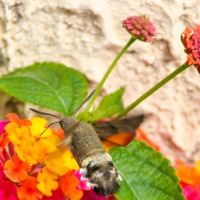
{"points": [[87, 35]]}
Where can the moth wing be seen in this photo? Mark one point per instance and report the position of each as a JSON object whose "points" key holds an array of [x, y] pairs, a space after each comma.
{"points": [[119, 132], [68, 133], [66, 142]]}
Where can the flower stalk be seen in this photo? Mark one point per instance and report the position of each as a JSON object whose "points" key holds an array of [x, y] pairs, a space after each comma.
{"points": [[152, 90], [99, 87]]}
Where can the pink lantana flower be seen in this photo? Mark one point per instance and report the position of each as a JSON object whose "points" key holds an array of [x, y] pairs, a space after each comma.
{"points": [[191, 192], [83, 182], [3, 123], [7, 189], [140, 28], [91, 195]]}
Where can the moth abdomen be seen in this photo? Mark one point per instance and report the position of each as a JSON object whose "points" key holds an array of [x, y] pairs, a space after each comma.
{"points": [[96, 163]]}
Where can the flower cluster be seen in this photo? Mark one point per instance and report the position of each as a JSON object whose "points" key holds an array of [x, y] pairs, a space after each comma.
{"points": [[140, 28], [31, 165], [190, 179], [191, 41]]}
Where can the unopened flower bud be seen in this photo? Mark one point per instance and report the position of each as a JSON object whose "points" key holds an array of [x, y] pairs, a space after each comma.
{"points": [[140, 28]]}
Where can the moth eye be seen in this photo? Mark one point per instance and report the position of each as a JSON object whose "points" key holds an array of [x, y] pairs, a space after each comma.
{"points": [[61, 123]]}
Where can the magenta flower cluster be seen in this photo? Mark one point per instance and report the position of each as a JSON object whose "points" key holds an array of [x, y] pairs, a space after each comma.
{"points": [[140, 28]]}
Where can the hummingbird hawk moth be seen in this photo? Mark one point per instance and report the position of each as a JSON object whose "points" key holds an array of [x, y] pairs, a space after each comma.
{"points": [[84, 141]]}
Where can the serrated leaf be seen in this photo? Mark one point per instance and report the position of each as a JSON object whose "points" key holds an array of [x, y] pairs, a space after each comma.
{"points": [[146, 174], [47, 84], [110, 105]]}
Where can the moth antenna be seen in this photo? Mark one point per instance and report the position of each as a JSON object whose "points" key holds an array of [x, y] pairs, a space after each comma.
{"points": [[44, 113], [87, 99], [48, 127]]}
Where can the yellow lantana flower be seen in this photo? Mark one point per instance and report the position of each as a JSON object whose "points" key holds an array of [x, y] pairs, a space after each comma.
{"points": [[17, 134], [38, 128], [47, 181], [60, 162]]}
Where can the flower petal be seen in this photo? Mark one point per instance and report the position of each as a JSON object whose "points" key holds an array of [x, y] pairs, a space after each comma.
{"points": [[3, 123], [15, 169], [30, 151], [191, 40], [68, 184], [28, 190], [187, 174], [60, 162], [4, 140], [8, 191], [47, 181], [15, 118], [17, 134], [38, 128], [56, 195]]}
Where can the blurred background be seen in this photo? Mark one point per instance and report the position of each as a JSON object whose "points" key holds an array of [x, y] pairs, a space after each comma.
{"points": [[87, 35]]}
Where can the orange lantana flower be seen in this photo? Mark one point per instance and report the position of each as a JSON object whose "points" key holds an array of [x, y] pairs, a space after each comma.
{"points": [[21, 122], [15, 169], [68, 184], [4, 140], [188, 174], [28, 189], [30, 151], [191, 41]]}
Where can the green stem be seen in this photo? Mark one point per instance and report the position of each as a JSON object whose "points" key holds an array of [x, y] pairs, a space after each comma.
{"points": [[152, 90], [98, 89]]}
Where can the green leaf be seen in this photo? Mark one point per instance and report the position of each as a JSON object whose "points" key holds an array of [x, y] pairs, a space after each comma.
{"points": [[110, 105], [50, 85], [146, 174]]}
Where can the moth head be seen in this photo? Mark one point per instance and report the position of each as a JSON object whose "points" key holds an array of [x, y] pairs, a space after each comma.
{"points": [[69, 125], [103, 178], [65, 122]]}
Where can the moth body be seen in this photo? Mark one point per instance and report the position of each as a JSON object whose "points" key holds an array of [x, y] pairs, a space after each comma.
{"points": [[96, 164]]}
